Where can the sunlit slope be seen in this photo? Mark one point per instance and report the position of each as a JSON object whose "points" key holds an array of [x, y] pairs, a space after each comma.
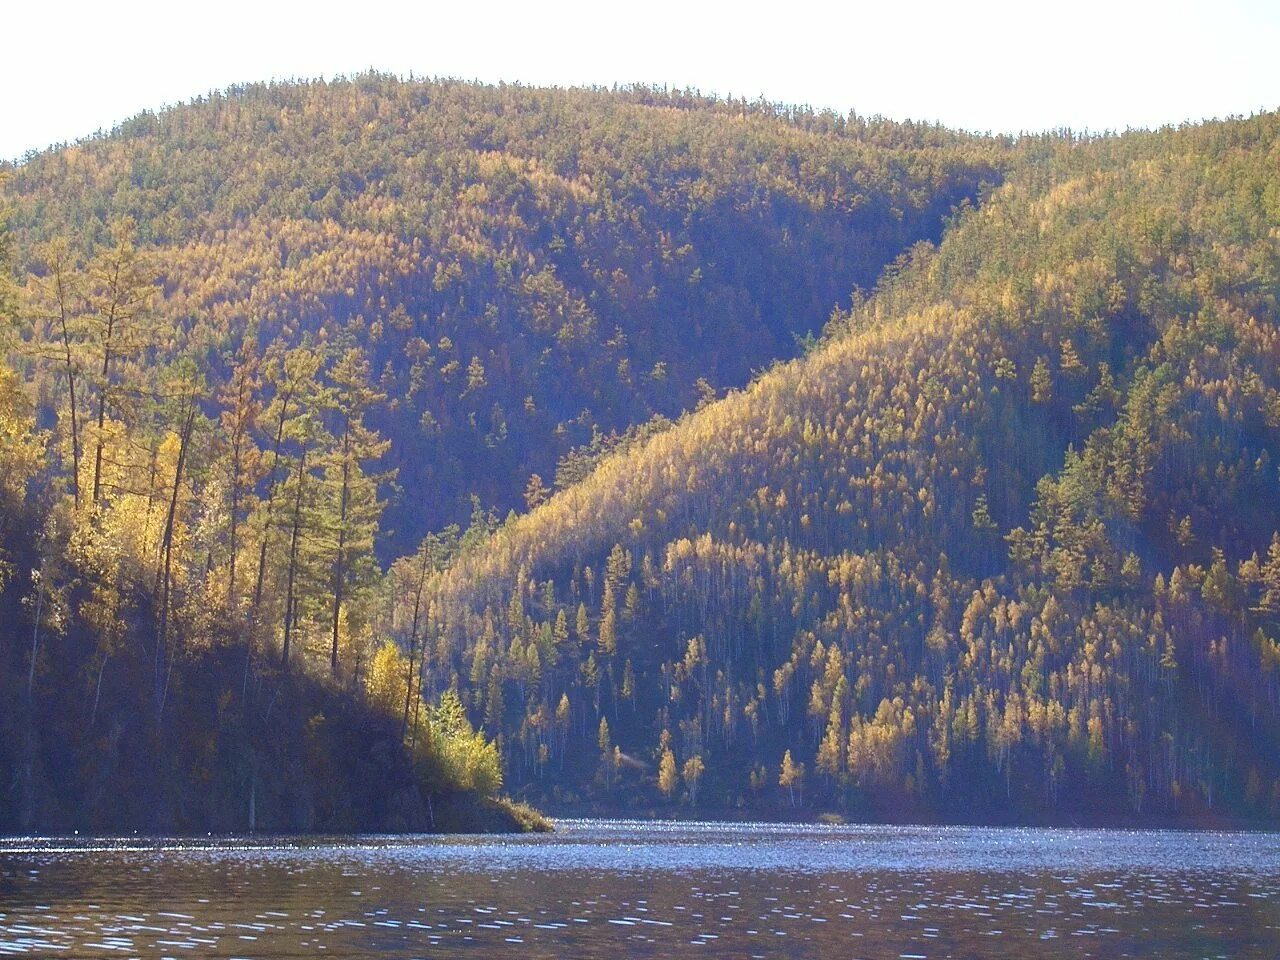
{"points": [[1002, 545], [523, 266]]}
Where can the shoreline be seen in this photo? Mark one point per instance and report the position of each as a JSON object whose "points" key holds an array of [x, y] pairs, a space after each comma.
{"points": [[549, 821]]}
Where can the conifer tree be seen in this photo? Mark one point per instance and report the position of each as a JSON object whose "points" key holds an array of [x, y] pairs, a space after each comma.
{"points": [[667, 772], [694, 767], [242, 462], [353, 505], [121, 289], [59, 304]]}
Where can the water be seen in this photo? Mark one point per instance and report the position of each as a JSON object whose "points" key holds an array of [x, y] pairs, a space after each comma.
{"points": [[615, 889]]}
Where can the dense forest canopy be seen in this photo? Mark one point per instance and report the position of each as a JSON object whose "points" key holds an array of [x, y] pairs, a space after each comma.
{"points": [[1000, 538], [525, 269], [260, 344], [1007, 543]]}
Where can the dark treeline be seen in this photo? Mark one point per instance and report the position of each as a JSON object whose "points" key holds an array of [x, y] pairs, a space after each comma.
{"points": [[1006, 543]]}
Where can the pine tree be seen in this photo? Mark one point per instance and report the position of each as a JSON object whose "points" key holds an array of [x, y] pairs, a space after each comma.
{"points": [[186, 390], [1041, 382], [982, 515], [290, 419], [1269, 604], [60, 305], [693, 771], [791, 776], [609, 755], [353, 503], [242, 461], [667, 772], [536, 493], [118, 324], [307, 436], [608, 641]]}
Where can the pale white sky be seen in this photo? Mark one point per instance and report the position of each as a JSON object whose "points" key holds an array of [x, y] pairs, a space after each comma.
{"points": [[73, 67]]}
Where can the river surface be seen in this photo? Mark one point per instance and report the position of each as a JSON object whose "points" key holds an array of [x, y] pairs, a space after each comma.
{"points": [[616, 889]]}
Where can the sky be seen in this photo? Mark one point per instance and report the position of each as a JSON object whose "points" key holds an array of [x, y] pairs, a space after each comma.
{"points": [[70, 69]]}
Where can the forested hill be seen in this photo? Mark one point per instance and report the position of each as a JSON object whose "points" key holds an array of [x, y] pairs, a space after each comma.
{"points": [[255, 338], [523, 269], [1005, 545], [1002, 542]]}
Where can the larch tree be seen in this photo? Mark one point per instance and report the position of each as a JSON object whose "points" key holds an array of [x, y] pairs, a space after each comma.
{"points": [[307, 439], [242, 461], [289, 424], [353, 506], [791, 776], [185, 391], [694, 768], [59, 306], [667, 772], [121, 289]]}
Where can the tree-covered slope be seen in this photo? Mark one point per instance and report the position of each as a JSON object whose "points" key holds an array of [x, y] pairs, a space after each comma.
{"points": [[1004, 542], [522, 267], [1007, 543], [240, 323]]}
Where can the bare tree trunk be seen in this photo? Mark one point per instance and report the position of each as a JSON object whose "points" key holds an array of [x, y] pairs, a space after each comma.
{"points": [[69, 362], [97, 692], [413, 646], [233, 544], [339, 560], [107, 346], [102, 422], [293, 561], [244, 391], [162, 640], [273, 484], [35, 638]]}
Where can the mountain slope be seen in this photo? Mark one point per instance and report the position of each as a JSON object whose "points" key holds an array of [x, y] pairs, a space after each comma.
{"points": [[1004, 545], [239, 319], [524, 268]]}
